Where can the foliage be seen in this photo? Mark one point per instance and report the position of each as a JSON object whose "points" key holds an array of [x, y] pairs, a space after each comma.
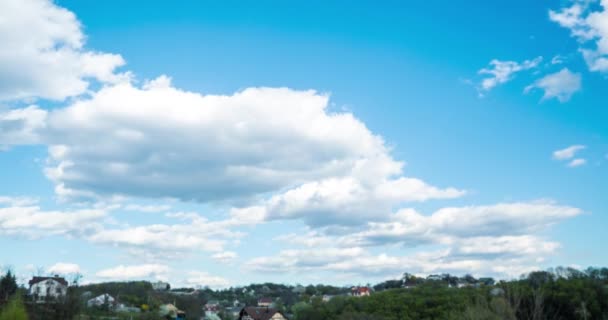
{"points": [[8, 285], [14, 310]]}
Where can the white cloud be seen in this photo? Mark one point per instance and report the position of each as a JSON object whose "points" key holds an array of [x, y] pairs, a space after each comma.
{"points": [[359, 262], [46, 57], [160, 240], [225, 256], [509, 246], [497, 239], [204, 279], [135, 272], [21, 126], [448, 225], [577, 163], [504, 71], [147, 208], [63, 268], [240, 147], [568, 153], [33, 222], [561, 85], [557, 60], [587, 23], [348, 200], [17, 201]]}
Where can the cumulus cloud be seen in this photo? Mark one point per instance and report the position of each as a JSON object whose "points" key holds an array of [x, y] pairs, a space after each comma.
{"points": [[322, 166], [196, 233], [46, 57], [225, 256], [64, 268], [33, 222], [503, 71], [21, 126], [347, 200], [276, 152], [410, 228], [148, 208], [473, 238], [561, 85], [360, 262], [587, 24], [568, 153], [17, 201], [203, 279], [135, 272]]}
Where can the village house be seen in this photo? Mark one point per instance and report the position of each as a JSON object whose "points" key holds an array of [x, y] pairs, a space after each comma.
{"points": [[171, 311], [102, 300], [360, 291], [211, 308], [47, 288], [327, 298], [264, 302], [257, 313]]}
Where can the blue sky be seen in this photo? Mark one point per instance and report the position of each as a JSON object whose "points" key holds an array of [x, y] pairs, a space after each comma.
{"points": [[219, 144]]}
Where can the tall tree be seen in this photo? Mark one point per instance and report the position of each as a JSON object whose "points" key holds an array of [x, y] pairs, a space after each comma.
{"points": [[8, 285]]}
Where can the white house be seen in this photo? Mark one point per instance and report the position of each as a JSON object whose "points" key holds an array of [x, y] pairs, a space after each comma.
{"points": [[264, 302], [104, 299], [48, 288]]}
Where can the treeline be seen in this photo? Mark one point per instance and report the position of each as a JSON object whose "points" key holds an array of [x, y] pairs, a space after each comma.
{"points": [[562, 293]]}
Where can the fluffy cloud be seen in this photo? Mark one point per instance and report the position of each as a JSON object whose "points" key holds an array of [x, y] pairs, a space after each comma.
{"points": [[561, 85], [159, 141], [64, 268], [359, 262], [21, 126], [568, 153], [503, 71], [587, 23], [225, 256], [347, 200], [149, 241], [45, 54], [449, 225], [497, 239], [204, 279], [135, 272], [33, 222], [17, 201], [147, 208]]}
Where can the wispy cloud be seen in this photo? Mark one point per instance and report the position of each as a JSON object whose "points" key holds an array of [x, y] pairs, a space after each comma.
{"points": [[568, 153], [560, 85], [504, 71], [577, 163]]}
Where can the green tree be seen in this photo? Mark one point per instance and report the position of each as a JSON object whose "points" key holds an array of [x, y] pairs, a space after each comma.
{"points": [[8, 286]]}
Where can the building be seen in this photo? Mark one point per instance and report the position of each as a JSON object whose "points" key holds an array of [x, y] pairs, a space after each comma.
{"points": [[170, 311], [161, 286], [327, 298], [257, 313], [47, 288], [360, 291], [264, 302], [102, 300]]}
